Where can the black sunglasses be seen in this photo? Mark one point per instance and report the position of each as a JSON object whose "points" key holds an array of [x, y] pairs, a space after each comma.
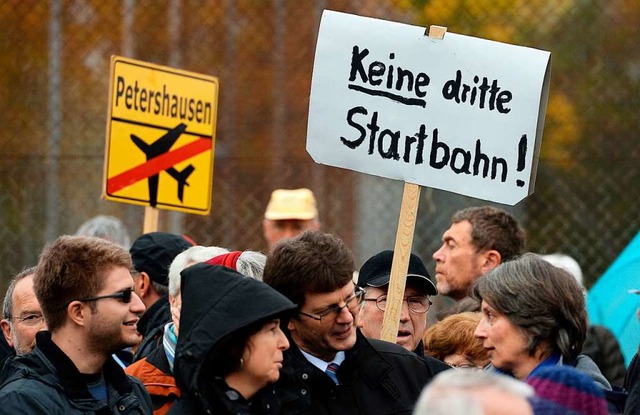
{"points": [[124, 296]]}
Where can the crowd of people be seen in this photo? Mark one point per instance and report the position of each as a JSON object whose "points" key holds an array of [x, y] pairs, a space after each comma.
{"points": [[162, 325]]}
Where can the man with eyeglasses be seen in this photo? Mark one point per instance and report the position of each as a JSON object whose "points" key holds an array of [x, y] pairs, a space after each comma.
{"points": [[331, 367], [85, 289], [22, 316], [373, 277]]}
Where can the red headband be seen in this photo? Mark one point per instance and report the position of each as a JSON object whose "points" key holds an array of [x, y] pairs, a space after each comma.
{"points": [[228, 260]]}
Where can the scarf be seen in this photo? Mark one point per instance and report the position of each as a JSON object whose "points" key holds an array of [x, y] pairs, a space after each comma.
{"points": [[169, 342]]}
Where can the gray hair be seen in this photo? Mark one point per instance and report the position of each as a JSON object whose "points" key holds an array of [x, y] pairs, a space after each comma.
{"points": [[458, 392], [567, 263], [106, 227], [191, 256], [545, 302], [7, 305], [251, 264]]}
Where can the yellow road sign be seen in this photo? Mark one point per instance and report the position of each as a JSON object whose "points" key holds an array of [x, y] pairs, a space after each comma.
{"points": [[160, 136]]}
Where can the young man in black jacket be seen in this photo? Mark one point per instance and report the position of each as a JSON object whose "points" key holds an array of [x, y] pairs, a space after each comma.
{"points": [[85, 290], [331, 368]]}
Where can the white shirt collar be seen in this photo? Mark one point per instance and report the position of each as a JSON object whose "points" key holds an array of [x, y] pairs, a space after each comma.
{"points": [[321, 364]]}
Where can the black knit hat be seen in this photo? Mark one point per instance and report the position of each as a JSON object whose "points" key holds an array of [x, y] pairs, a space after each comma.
{"points": [[377, 271], [153, 253]]}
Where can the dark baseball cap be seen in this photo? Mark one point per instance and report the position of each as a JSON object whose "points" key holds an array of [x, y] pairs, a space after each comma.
{"points": [[376, 271], [153, 253]]}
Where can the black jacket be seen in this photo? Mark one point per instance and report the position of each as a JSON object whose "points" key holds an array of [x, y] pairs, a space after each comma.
{"points": [[632, 384], [6, 351], [376, 377], [217, 302], [151, 326], [221, 399], [46, 381]]}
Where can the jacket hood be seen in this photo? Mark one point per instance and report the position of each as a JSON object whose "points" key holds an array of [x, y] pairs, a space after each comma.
{"points": [[587, 366], [217, 301]]}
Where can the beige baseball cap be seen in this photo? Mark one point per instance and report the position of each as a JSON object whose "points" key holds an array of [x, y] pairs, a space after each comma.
{"points": [[291, 204]]}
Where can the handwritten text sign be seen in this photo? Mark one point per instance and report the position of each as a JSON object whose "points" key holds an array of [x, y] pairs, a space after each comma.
{"points": [[460, 113]]}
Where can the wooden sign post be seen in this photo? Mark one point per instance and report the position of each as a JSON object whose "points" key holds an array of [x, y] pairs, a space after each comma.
{"points": [[400, 264], [150, 219]]}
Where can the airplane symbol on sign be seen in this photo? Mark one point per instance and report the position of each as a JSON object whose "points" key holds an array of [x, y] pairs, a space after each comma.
{"points": [[159, 147]]}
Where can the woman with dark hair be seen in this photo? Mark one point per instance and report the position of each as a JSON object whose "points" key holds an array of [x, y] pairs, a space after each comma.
{"points": [[230, 346], [533, 316]]}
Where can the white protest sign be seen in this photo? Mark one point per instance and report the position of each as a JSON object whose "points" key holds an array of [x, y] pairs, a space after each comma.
{"points": [[461, 114]]}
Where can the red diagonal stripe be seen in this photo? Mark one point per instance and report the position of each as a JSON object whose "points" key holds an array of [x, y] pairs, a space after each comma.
{"points": [[157, 164]]}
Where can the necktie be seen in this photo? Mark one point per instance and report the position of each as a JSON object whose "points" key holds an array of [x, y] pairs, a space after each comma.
{"points": [[332, 372]]}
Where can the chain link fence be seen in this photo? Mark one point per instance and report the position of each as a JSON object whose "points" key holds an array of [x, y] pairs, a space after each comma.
{"points": [[54, 80]]}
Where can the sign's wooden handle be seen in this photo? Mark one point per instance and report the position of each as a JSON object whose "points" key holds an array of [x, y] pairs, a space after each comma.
{"points": [[437, 32], [150, 219], [400, 265]]}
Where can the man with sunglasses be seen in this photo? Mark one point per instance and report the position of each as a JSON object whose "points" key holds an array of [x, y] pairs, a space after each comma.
{"points": [[84, 287], [374, 279], [330, 366]]}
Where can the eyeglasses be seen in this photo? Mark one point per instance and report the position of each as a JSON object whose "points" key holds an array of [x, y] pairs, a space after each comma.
{"points": [[418, 305], [124, 296], [463, 366], [32, 319], [351, 303]]}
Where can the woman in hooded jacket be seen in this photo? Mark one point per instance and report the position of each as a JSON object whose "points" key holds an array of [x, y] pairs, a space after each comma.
{"points": [[230, 348]]}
